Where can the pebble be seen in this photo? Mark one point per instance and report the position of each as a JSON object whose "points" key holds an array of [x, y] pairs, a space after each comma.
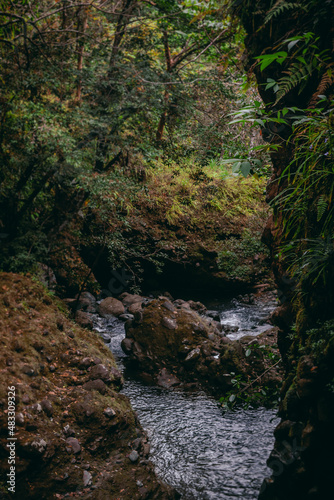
{"points": [[47, 407], [73, 445], [134, 456], [106, 338], [39, 445], [28, 370], [193, 355], [87, 478], [25, 399], [109, 412], [19, 419], [169, 323]]}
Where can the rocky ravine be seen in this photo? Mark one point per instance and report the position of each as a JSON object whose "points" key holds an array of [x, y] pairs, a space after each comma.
{"points": [[76, 435]]}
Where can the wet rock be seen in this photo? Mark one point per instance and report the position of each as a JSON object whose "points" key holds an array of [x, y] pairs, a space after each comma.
{"points": [[166, 379], [230, 328], [213, 314], [86, 302], [127, 345], [116, 377], [111, 307], [146, 449], [134, 455], [201, 329], [167, 342], [137, 306], [106, 338], [73, 445], [126, 317]]}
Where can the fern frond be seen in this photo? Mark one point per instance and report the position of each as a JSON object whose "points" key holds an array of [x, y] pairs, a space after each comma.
{"points": [[322, 205], [279, 7], [326, 82], [297, 75]]}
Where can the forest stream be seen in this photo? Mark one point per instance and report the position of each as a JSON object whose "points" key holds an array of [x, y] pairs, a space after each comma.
{"points": [[205, 452]]}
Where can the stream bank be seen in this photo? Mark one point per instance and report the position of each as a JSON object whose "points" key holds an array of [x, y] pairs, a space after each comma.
{"points": [[75, 434]]}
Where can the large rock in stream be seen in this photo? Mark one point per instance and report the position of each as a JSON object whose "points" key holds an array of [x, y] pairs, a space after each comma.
{"points": [[169, 343]]}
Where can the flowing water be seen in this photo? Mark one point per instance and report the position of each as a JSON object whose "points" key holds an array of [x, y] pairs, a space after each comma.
{"points": [[201, 450]]}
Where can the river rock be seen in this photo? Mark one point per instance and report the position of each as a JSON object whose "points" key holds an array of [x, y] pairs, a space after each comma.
{"points": [[128, 299], [169, 340], [111, 307], [134, 455], [213, 314], [197, 306], [86, 302], [136, 306], [125, 316]]}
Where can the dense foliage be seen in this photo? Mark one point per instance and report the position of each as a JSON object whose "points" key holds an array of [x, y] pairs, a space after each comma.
{"points": [[95, 94]]}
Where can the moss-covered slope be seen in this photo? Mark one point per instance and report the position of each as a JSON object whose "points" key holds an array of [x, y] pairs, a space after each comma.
{"points": [[74, 430]]}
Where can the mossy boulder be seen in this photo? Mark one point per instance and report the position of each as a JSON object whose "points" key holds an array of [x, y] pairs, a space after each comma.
{"points": [[168, 342]]}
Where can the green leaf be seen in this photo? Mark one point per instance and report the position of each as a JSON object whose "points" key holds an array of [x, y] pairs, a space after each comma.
{"points": [[248, 352], [245, 168], [232, 398]]}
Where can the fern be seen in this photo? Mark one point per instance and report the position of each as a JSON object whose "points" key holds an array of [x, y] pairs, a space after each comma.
{"points": [[321, 206], [326, 81], [297, 75], [279, 7]]}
